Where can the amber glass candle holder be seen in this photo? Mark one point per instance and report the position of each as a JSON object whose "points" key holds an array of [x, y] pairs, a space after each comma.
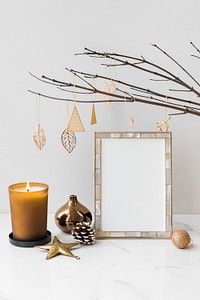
{"points": [[28, 207]]}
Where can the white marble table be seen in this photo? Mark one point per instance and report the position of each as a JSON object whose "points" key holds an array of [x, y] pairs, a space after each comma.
{"points": [[111, 269]]}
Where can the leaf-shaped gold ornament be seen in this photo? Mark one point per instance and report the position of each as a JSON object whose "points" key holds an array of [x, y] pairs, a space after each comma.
{"points": [[112, 88], [68, 139], [39, 137], [104, 97]]}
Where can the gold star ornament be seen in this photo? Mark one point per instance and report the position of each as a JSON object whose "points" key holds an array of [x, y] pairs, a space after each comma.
{"points": [[57, 247]]}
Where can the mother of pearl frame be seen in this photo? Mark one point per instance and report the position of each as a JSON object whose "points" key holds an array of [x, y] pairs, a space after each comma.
{"points": [[99, 138]]}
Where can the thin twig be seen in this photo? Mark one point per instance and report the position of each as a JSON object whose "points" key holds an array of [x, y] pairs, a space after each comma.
{"points": [[170, 57], [195, 56], [180, 108], [141, 95], [141, 89], [195, 47], [169, 76]]}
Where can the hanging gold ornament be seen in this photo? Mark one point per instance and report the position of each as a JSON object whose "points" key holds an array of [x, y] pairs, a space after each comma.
{"points": [[57, 247], [104, 97], [112, 88], [75, 122], [106, 104], [39, 137], [131, 121], [131, 117], [160, 124], [93, 116], [68, 139], [104, 90]]}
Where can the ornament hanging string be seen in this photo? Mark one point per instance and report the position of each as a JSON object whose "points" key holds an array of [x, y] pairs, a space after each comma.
{"points": [[67, 112], [74, 90], [166, 101], [38, 108], [39, 135], [112, 88], [94, 84], [131, 117], [75, 122], [93, 119]]}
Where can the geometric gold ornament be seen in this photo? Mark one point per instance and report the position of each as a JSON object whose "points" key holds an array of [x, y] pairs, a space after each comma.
{"points": [[75, 123], [39, 137], [68, 139], [93, 116]]}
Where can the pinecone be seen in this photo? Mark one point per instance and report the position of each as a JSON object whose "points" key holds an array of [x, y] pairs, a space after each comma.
{"points": [[83, 233]]}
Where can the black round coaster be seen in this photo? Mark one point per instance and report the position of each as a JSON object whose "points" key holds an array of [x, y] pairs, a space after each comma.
{"points": [[27, 244]]}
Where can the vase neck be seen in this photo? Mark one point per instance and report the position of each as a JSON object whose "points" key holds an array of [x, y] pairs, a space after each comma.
{"points": [[73, 199]]}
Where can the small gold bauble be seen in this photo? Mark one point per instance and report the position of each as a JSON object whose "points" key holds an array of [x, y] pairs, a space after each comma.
{"points": [[181, 239]]}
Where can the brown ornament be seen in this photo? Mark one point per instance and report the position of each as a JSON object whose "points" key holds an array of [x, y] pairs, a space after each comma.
{"points": [[181, 239], [71, 213]]}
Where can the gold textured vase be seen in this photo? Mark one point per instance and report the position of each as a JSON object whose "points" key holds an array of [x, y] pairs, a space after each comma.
{"points": [[71, 213]]}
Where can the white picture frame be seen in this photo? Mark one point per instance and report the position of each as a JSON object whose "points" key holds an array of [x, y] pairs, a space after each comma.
{"points": [[133, 185]]}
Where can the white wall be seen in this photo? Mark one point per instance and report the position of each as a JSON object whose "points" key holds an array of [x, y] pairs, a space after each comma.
{"points": [[42, 36]]}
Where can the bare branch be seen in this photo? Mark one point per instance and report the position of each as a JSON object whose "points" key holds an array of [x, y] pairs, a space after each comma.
{"points": [[165, 75], [121, 100], [195, 47], [170, 57], [81, 78], [195, 56], [140, 94]]}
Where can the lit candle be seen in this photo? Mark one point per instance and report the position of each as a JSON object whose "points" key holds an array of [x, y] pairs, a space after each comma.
{"points": [[28, 205]]}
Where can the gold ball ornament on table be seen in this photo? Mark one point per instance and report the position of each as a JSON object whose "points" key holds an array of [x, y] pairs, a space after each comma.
{"points": [[71, 213], [181, 239], [83, 233]]}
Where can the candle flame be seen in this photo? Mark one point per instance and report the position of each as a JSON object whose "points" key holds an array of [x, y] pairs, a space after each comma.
{"points": [[28, 186]]}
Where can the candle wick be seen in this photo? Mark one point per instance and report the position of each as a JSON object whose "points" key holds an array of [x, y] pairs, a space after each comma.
{"points": [[28, 187]]}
